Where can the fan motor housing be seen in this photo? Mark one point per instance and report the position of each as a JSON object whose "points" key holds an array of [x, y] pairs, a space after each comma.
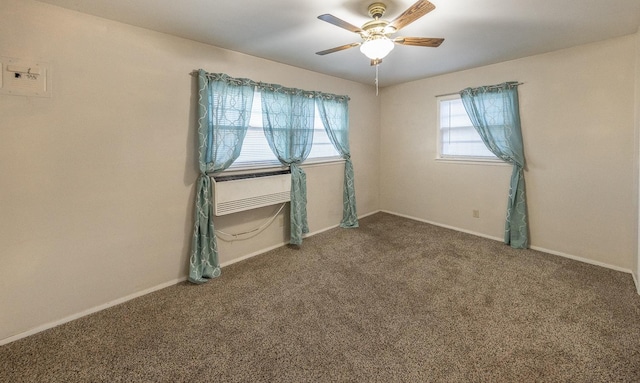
{"points": [[376, 10], [373, 26]]}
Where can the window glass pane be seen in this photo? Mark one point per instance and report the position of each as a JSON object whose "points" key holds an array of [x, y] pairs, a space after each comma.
{"points": [[256, 151], [255, 148], [322, 146], [458, 137]]}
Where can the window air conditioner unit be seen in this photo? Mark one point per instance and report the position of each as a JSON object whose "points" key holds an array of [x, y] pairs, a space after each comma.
{"points": [[232, 194]]}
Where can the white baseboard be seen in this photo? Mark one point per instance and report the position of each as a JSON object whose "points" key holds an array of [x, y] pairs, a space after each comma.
{"points": [[368, 214], [92, 310], [311, 234], [581, 259], [236, 260], [337, 225], [118, 301], [537, 248], [443, 225]]}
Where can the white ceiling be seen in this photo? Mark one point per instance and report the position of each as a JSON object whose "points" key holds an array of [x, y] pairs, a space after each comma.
{"points": [[476, 32]]}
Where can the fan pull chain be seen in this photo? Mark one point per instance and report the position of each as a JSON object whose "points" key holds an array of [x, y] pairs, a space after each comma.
{"points": [[377, 78]]}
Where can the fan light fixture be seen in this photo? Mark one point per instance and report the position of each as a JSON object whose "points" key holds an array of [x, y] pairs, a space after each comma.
{"points": [[377, 47], [375, 33]]}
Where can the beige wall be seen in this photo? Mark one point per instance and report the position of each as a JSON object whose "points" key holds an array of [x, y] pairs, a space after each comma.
{"points": [[577, 111], [98, 181], [97, 191]]}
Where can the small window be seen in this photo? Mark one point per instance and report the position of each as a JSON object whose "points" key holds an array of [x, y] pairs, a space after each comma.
{"points": [[458, 139], [256, 153]]}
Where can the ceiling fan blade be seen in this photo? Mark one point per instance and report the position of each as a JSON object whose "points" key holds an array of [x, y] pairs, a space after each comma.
{"points": [[419, 41], [416, 11], [331, 19], [337, 49]]}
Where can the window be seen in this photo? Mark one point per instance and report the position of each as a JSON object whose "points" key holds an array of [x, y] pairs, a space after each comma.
{"points": [[458, 139], [256, 152]]}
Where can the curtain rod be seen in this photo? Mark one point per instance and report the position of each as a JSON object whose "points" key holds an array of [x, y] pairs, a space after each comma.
{"points": [[452, 93]]}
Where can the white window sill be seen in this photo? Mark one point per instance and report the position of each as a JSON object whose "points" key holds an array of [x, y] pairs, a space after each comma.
{"points": [[321, 162], [240, 170], [472, 161]]}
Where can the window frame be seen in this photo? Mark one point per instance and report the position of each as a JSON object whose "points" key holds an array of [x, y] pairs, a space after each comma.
{"points": [[267, 166], [484, 160]]}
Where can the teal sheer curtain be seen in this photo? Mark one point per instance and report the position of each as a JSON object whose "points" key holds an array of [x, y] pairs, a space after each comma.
{"points": [[287, 118], [334, 113], [494, 112], [224, 109]]}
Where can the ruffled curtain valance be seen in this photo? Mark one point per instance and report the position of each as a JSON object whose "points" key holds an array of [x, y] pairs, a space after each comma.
{"points": [[275, 88]]}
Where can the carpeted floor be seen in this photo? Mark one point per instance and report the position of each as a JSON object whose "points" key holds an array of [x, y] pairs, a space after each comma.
{"points": [[393, 301]]}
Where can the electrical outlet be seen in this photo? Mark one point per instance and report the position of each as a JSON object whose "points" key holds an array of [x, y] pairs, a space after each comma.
{"points": [[476, 214]]}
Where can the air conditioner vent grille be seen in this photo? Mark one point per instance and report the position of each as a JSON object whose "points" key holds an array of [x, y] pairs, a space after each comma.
{"points": [[251, 193], [253, 202]]}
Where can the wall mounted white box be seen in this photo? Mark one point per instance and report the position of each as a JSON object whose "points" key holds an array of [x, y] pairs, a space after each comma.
{"points": [[23, 78]]}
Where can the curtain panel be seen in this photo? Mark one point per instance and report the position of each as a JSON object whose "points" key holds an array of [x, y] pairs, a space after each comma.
{"points": [[494, 112], [334, 114], [224, 110], [287, 119]]}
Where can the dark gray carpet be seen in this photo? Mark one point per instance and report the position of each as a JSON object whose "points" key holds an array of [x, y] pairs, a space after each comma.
{"points": [[393, 301]]}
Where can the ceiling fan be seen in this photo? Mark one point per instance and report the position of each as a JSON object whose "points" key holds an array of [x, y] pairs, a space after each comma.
{"points": [[376, 43]]}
